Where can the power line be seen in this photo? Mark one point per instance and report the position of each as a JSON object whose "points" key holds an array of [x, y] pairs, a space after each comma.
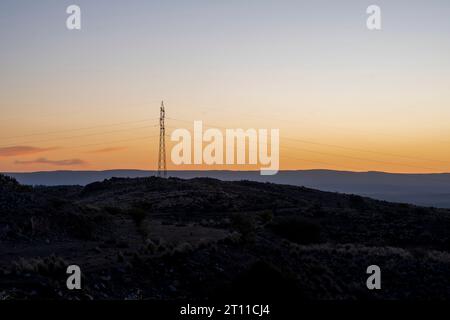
{"points": [[79, 136], [77, 129], [362, 150], [344, 147], [78, 111], [112, 142], [358, 158], [341, 128], [281, 156]]}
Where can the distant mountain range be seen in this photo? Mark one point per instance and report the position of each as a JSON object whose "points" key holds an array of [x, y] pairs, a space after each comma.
{"points": [[420, 189]]}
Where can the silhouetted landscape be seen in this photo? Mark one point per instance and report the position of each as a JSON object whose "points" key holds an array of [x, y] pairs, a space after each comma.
{"points": [[204, 239], [431, 190], [224, 159]]}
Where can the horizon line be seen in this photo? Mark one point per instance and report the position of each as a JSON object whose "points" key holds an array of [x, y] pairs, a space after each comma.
{"points": [[229, 171]]}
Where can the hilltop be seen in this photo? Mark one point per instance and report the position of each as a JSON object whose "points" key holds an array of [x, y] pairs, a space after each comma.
{"points": [[419, 189], [202, 238]]}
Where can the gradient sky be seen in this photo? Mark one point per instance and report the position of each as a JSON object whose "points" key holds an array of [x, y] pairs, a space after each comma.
{"points": [[342, 96]]}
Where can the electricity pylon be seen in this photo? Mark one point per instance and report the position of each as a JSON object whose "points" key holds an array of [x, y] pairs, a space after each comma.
{"points": [[162, 169]]}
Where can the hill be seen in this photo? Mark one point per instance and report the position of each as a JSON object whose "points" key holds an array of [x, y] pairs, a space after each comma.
{"points": [[173, 239], [432, 190]]}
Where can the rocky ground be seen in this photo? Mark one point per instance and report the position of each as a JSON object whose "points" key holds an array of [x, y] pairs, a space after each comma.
{"points": [[205, 239]]}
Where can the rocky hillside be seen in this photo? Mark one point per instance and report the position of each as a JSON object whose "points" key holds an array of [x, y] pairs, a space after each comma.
{"points": [[172, 239]]}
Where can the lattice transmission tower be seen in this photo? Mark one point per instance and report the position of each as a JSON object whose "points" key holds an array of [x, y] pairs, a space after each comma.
{"points": [[162, 168]]}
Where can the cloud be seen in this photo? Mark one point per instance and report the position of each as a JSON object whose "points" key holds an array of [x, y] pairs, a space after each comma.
{"points": [[105, 150], [69, 162], [21, 150]]}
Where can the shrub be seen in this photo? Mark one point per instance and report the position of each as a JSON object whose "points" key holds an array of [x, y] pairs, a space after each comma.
{"points": [[266, 216], [144, 228], [113, 210], [51, 266], [58, 203], [245, 225], [10, 184], [296, 229], [6, 180], [357, 202], [138, 215], [81, 226], [182, 248], [264, 281]]}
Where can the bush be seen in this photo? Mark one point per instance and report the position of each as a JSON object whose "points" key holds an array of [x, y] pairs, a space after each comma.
{"points": [[357, 202], [8, 183], [138, 215], [182, 248], [115, 211], [49, 266], [263, 281], [296, 229], [6, 180], [81, 226], [245, 225], [266, 216]]}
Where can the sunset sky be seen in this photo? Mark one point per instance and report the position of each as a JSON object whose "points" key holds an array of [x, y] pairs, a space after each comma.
{"points": [[343, 97]]}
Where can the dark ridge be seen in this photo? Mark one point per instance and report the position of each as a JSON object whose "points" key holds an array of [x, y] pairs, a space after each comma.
{"points": [[165, 239]]}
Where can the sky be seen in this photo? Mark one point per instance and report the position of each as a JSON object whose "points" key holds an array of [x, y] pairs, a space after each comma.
{"points": [[342, 96]]}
